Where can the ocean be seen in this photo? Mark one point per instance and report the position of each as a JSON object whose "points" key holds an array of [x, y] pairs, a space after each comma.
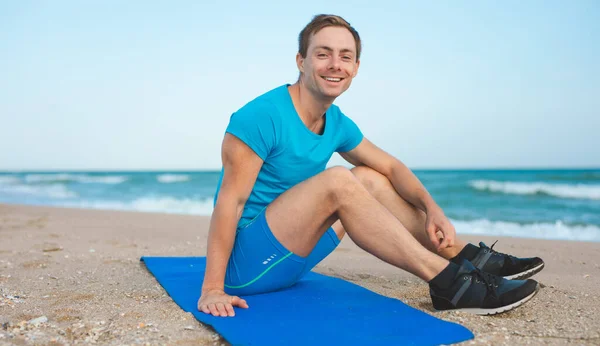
{"points": [[543, 204]]}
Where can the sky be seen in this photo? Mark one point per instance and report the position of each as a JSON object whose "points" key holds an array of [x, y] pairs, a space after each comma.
{"points": [[150, 85]]}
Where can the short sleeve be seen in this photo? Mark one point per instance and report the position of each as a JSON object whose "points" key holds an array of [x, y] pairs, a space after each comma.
{"points": [[254, 125], [352, 134]]}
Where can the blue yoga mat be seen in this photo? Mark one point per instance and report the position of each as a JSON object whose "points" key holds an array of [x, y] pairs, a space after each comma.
{"points": [[318, 310]]}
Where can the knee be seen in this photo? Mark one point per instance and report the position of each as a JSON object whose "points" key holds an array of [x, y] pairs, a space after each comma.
{"points": [[372, 180], [339, 176], [340, 180]]}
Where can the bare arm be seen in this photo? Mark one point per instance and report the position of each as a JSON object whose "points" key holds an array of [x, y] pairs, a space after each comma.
{"points": [[241, 166], [408, 187], [405, 182]]}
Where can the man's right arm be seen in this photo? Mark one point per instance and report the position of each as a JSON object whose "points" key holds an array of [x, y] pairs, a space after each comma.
{"points": [[241, 166]]}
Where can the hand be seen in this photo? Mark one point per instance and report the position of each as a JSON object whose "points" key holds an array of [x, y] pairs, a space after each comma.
{"points": [[437, 222], [219, 303]]}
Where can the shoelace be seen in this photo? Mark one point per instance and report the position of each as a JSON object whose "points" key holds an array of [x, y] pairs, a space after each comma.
{"points": [[491, 281], [491, 249]]}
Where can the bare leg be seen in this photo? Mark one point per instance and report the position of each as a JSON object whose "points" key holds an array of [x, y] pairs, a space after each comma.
{"points": [[412, 218], [300, 216]]}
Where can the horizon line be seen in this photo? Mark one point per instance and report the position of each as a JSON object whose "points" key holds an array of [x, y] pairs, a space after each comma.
{"points": [[175, 170]]}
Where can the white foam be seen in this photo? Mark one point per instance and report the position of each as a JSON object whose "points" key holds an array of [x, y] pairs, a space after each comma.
{"points": [[42, 178], [80, 178], [556, 230], [56, 191], [151, 204], [111, 179], [578, 191], [172, 178]]}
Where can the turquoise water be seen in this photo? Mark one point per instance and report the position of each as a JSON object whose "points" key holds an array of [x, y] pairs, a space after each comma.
{"points": [[547, 204]]}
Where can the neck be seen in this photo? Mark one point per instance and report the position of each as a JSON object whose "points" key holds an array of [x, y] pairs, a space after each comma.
{"points": [[310, 107]]}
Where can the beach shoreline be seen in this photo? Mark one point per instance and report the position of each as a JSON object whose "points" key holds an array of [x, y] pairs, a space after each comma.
{"points": [[80, 269]]}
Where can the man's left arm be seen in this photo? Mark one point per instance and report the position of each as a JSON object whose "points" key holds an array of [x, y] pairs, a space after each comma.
{"points": [[408, 187]]}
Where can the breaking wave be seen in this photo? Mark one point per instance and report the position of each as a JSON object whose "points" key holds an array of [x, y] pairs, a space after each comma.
{"points": [[577, 191]]}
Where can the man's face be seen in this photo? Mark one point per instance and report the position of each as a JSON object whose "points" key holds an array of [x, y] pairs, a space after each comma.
{"points": [[330, 62]]}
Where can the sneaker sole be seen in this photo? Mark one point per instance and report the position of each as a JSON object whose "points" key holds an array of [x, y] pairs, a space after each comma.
{"points": [[501, 309], [526, 274]]}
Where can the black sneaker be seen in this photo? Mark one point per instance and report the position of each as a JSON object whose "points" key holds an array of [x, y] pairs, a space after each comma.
{"points": [[497, 263], [481, 293]]}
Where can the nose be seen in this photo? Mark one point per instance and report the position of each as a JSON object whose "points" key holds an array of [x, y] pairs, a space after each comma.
{"points": [[334, 63]]}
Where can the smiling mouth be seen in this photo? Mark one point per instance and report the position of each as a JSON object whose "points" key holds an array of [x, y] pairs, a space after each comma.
{"points": [[332, 79]]}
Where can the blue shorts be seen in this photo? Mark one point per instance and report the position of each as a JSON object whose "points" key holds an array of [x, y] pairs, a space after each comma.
{"points": [[259, 263]]}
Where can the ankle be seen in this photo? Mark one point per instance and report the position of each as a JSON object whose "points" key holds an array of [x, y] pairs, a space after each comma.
{"points": [[468, 252], [451, 252], [446, 277]]}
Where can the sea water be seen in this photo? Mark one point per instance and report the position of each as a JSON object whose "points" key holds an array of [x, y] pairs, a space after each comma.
{"points": [[545, 204]]}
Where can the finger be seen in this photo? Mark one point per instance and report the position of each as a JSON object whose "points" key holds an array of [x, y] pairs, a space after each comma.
{"points": [[213, 309], [439, 235], [204, 308], [221, 309], [431, 231], [445, 238], [229, 310], [237, 301], [449, 235], [449, 240], [444, 244], [452, 236]]}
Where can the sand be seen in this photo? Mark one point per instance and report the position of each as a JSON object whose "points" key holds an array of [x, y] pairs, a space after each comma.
{"points": [[78, 273]]}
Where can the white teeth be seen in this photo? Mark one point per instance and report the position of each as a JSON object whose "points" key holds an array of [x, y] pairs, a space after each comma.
{"points": [[332, 79]]}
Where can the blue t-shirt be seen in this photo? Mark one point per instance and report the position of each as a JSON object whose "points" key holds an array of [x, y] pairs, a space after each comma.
{"points": [[291, 152]]}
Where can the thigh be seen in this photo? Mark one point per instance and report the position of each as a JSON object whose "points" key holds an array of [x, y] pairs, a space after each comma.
{"points": [[326, 244], [259, 263], [301, 215]]}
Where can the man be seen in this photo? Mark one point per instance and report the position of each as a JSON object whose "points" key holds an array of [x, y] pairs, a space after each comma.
{"points": [[278, 211]]}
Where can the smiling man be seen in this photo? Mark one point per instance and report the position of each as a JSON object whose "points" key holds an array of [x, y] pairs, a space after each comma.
{"points": [[278, 210]]}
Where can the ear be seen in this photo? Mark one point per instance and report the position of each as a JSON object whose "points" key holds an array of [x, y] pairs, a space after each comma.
{"points": [[300, 62]]}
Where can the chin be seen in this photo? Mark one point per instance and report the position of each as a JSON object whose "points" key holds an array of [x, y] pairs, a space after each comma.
{"points": [[329, 92], [335, 92]]}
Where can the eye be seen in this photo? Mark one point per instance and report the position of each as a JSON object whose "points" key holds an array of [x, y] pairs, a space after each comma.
{"points": [[322, 55], [347, 57]]}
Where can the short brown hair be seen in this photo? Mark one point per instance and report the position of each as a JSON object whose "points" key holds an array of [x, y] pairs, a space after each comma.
{"points": [[322, 21]]}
